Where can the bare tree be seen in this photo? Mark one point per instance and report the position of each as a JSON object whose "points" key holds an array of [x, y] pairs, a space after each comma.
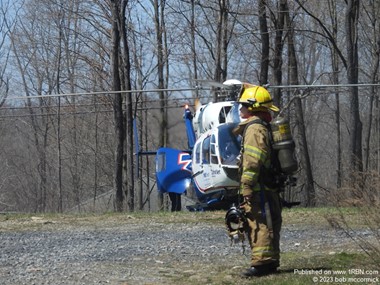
{"points": [[335, 80], [37, 64], [351, 26], [372, 14], [221, 42], [193, 43], [118, 102], [265, 48], [126, 67], [162, 65], [351, 64], [6, 23], [293, 79], [278, 23]]}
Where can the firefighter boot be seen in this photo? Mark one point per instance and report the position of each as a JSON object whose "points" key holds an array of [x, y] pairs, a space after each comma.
{"points": [[262, 270]]}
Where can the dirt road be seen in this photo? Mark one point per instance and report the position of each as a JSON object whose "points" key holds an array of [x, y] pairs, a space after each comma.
{"points": [[126, 250]]}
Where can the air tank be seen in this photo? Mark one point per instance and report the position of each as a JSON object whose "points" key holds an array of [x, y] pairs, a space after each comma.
{"points": [[284, 144]]}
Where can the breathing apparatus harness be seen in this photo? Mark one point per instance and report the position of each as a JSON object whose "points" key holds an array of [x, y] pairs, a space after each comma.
{"points": [[283, 162]]}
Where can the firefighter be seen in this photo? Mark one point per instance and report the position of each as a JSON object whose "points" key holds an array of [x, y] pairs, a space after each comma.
{"points": [[261, 202]]}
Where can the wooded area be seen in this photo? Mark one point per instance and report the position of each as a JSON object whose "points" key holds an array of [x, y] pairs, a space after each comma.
{"points": [[59, 152]]}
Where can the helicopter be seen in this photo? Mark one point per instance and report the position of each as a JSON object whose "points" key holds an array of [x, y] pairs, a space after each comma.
{"points": [[207, 171]]}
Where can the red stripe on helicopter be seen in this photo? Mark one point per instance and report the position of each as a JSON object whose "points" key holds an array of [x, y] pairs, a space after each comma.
{"points": [[212, 189], [186, 162]]}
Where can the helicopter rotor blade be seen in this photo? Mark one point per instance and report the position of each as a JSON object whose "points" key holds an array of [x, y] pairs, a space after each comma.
{"points": [[210, 83]]}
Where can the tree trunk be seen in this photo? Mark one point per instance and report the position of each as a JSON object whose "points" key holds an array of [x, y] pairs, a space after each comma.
{"points": [[218, 44], [159, 7], [352, 17], [374, 79], [118, 107], [193, 46], [305, 158], [130, 185], [221, 45], [278, 49], [59, 146], [264, 43], [335, 80]]}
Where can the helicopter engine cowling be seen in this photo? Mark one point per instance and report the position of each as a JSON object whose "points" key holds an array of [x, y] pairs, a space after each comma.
{"points": [[210, 116]]}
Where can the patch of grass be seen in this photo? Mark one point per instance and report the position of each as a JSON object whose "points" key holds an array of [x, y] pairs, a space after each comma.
{"points": [[25, 222], [298, 268], [318, 216], [295, 216]]}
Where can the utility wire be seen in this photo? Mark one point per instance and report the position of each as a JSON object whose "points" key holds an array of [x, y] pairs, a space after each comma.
{"points": [[307, 86], [79, 112], [78, 105], [312, 86], [103, 93]]}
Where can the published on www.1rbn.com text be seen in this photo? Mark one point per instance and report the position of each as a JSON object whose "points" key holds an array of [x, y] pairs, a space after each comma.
{"points": [[353, 275]]}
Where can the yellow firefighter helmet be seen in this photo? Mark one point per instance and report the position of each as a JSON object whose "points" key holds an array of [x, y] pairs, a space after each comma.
{"points": [[257, 97]]}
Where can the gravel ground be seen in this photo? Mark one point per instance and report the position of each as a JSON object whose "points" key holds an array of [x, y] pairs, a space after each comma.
{"points": [[131, 251]]}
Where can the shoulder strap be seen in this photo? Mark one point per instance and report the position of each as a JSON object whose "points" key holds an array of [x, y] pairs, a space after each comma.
{"points": [[275, 164], [260, 122]]}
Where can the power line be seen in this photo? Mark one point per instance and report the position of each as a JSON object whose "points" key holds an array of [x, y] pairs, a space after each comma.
{"points": [[52, 114], [80, 104], [103, 93], [306, 86], [321, 86]]}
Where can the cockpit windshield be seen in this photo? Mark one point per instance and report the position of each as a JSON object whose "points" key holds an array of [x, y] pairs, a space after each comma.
{"points": [[229, 145], [233, 115]]}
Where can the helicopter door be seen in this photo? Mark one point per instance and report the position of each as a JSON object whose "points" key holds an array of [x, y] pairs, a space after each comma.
{"points": [[201, 164], [205, 157], [213, 153], [215, 166]]}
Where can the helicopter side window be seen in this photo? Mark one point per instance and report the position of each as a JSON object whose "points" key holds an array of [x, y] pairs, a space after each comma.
{"points": [[229, 145], [198, 153], [206, 151], [223, 114], [214, 157], [161, 162]]}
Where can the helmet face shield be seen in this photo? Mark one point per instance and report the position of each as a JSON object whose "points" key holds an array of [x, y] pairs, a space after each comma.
{"points": [[273, 108], [246, 105]]}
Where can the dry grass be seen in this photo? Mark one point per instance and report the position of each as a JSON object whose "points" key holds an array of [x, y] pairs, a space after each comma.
{"points": [[363, 200]]}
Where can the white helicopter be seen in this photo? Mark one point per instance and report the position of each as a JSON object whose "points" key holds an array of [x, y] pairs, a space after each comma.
{"points": [[208, 170]]}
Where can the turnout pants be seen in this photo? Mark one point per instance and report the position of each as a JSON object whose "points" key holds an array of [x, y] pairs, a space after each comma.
{"points": [[264, 237]]}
